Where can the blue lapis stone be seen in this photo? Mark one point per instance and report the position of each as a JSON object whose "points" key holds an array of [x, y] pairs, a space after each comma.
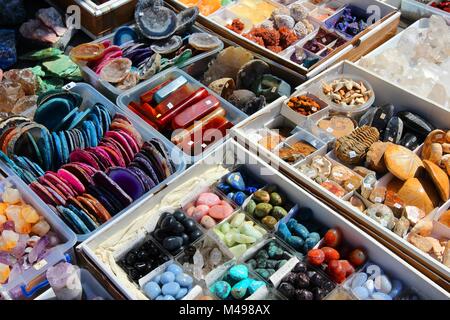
{"points": [[250, 190], [239, 197], [230, 195], [236, 181], [224, 187]]}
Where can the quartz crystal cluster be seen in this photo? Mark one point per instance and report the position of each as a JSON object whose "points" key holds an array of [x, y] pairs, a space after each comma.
{"points": [[419, 62], [64, 278]]}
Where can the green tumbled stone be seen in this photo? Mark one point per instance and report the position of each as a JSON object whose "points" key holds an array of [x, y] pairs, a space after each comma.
{"points": [[269, 222], [262, 263], [279, 212], [238, 250], [242, 238], [237, 220], [262, 254], [225, 227], [275, 252], [262, 210], [250, 231], [263, 273], [250, 208], [271, 264], [276, 199], [281, 263], [271, 271], [252, 263]]}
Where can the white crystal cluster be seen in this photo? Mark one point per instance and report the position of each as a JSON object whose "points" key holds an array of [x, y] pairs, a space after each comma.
{"points": [[419, 62]]}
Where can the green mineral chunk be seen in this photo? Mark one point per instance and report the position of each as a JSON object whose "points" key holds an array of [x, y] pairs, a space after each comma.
{"points": [[251, 206], [263, 273], [262, 210], [42, 54], [278, 212]]}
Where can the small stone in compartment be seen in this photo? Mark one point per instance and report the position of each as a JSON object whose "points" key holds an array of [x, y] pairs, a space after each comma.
{"points": [[363, 171], [413, 214], [401, 227], [378, 195], [334, 188], [338, 126], [304, 105], [352, 184], [394, 202], [445, 218], [374, 158], [340, 174], [305, 285], [271, 140], [357, 203], [422, 243], [142, 260], [423, 228]]}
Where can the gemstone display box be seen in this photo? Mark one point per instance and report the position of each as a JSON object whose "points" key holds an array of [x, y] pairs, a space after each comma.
{"points": [[414, 9], [354, 48], [112, 92], [91, 97], [23, 284], [133, 227], [270, 117], [100, 19]]}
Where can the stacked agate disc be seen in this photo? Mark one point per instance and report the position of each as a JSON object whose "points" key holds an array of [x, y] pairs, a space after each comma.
{"points": [[85, 162]]}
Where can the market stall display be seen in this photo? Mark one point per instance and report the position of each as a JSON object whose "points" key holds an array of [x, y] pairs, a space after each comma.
{"points": [[131, 55], [197, 164], [238, 278], [305, 36], [88, 161], [420, 54], [384, 163]]}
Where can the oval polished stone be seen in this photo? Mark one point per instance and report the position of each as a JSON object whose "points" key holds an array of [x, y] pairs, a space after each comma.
{"points": [[238, 272], [152, 290], [171, 289], [184, 280], [172, 243], [167, 277]]}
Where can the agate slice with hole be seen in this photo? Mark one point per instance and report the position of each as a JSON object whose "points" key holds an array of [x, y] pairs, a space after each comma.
{"points": [[204, 41], [167, 46], [155, 22], [116, 70]]}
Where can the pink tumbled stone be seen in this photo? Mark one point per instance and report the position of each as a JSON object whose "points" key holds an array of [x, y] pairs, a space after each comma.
{"points": [[209, 199], [190, 211], [208, 222], [200, 211], [220, 211]]}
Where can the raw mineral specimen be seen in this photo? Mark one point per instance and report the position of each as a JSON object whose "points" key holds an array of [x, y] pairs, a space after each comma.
{"points": [[419, 62]]}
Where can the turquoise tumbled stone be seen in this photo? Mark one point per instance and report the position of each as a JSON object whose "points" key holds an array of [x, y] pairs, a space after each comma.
{"points": [[296, 242], [239, 290], [255, 285], [283, 231], [238, 272], [221, 289], [301, 231]]}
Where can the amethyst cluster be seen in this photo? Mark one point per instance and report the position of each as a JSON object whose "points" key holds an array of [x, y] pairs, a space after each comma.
{"points": [[350, 23]]}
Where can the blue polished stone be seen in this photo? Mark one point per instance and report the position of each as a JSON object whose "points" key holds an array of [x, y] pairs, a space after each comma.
{"points": [[239, 290], [168, 297], [291, 223], [315, 236], [397, 287], [157, 279], [160, 297], [175, 269], [152, 290], [283, 231], [239, 197], [181, 293], [301, 231], [250, 190], [361, 293], [221, 289], [167, 277], [310, 243], [381, 296], [184, 279], [171, 288], [239, 272], [255, 285], [224, 187], [296, 242], [230, 195], [236, 181]]}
